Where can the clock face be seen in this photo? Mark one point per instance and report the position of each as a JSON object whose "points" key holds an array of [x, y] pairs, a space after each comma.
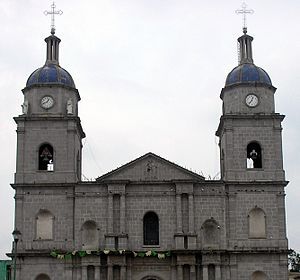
{"points": [[251, 100], [47, 102]]}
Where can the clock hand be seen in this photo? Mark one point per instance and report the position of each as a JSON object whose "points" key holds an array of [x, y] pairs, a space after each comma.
{"points": [[44, 101]]}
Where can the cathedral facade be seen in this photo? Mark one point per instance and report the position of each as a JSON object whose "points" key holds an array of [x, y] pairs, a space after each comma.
{"points": [[150, 219]]}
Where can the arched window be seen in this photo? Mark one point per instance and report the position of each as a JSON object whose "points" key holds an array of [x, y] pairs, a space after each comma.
{"points": [[211, 233], [46, 161], [44, 224], [258, 275], [257, 223], [254, 156], [151, 229], [89, 235], [90, 272], [42, 277]]}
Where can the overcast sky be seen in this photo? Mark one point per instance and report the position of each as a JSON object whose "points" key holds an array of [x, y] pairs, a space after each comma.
{"points": [[149, 74]]}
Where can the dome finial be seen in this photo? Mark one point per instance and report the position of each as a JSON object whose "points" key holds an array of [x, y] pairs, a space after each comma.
{"points": [[244, 12], [245, 41], [53, 13], [52, 41]]}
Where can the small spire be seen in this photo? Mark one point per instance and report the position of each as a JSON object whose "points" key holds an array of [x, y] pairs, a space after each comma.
{"points": [[53, 12], [245, 49], [52, 49]]}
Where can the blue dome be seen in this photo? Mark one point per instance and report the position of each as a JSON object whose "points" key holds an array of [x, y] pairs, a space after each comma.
{"points": [[248, 73], [50, 74]]}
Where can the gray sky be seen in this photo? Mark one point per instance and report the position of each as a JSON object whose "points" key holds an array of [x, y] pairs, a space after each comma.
{"points": [[149, 74]]}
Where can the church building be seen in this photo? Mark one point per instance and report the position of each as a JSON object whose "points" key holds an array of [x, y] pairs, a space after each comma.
{"points": [[150, 219]]}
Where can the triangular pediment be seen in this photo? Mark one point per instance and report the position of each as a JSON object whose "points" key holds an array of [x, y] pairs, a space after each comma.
{"points": [[150, 167]]}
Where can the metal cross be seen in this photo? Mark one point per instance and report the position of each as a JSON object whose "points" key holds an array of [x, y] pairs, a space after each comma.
{"points": [[244, 11], [53, 13]]}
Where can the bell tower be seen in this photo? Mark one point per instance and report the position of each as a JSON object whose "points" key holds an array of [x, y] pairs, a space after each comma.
{"points": [[249, 130], [49, 132]]}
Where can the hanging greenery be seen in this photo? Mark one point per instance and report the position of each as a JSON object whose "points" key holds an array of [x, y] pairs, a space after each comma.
{"points": [[81, 254]]}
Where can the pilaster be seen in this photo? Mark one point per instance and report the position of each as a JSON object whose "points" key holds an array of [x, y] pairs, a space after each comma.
{"points": [[178, 213], [179, 272], [191, 213], [205, 272]]}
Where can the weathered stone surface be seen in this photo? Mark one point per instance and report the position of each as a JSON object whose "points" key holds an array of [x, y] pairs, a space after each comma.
{"points": [[228, 229]]}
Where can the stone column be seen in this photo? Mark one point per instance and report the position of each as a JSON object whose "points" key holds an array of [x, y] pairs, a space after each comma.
{"points": [[122, 213], [84, 272], [233, 272], [218, 272], [97, 272], [179, 272], [205, 272], [123, 272], [193, 272], [19, 273], [68, 271], [173, 272], [110, 272], [231, 223], [19, 205], [128, 270], [191, 213], [76, 272], [20, 176], [178, 213], [198, 271], [281, 215], [228, 158], [227, 272], [110, 213]]}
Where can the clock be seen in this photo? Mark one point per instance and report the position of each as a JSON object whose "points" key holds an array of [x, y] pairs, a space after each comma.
{"points": [[251, 100], [47, 102]]}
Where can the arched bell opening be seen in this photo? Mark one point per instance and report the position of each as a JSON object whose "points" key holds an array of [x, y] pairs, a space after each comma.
{"points": [[254, 155], [46, 157]]}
